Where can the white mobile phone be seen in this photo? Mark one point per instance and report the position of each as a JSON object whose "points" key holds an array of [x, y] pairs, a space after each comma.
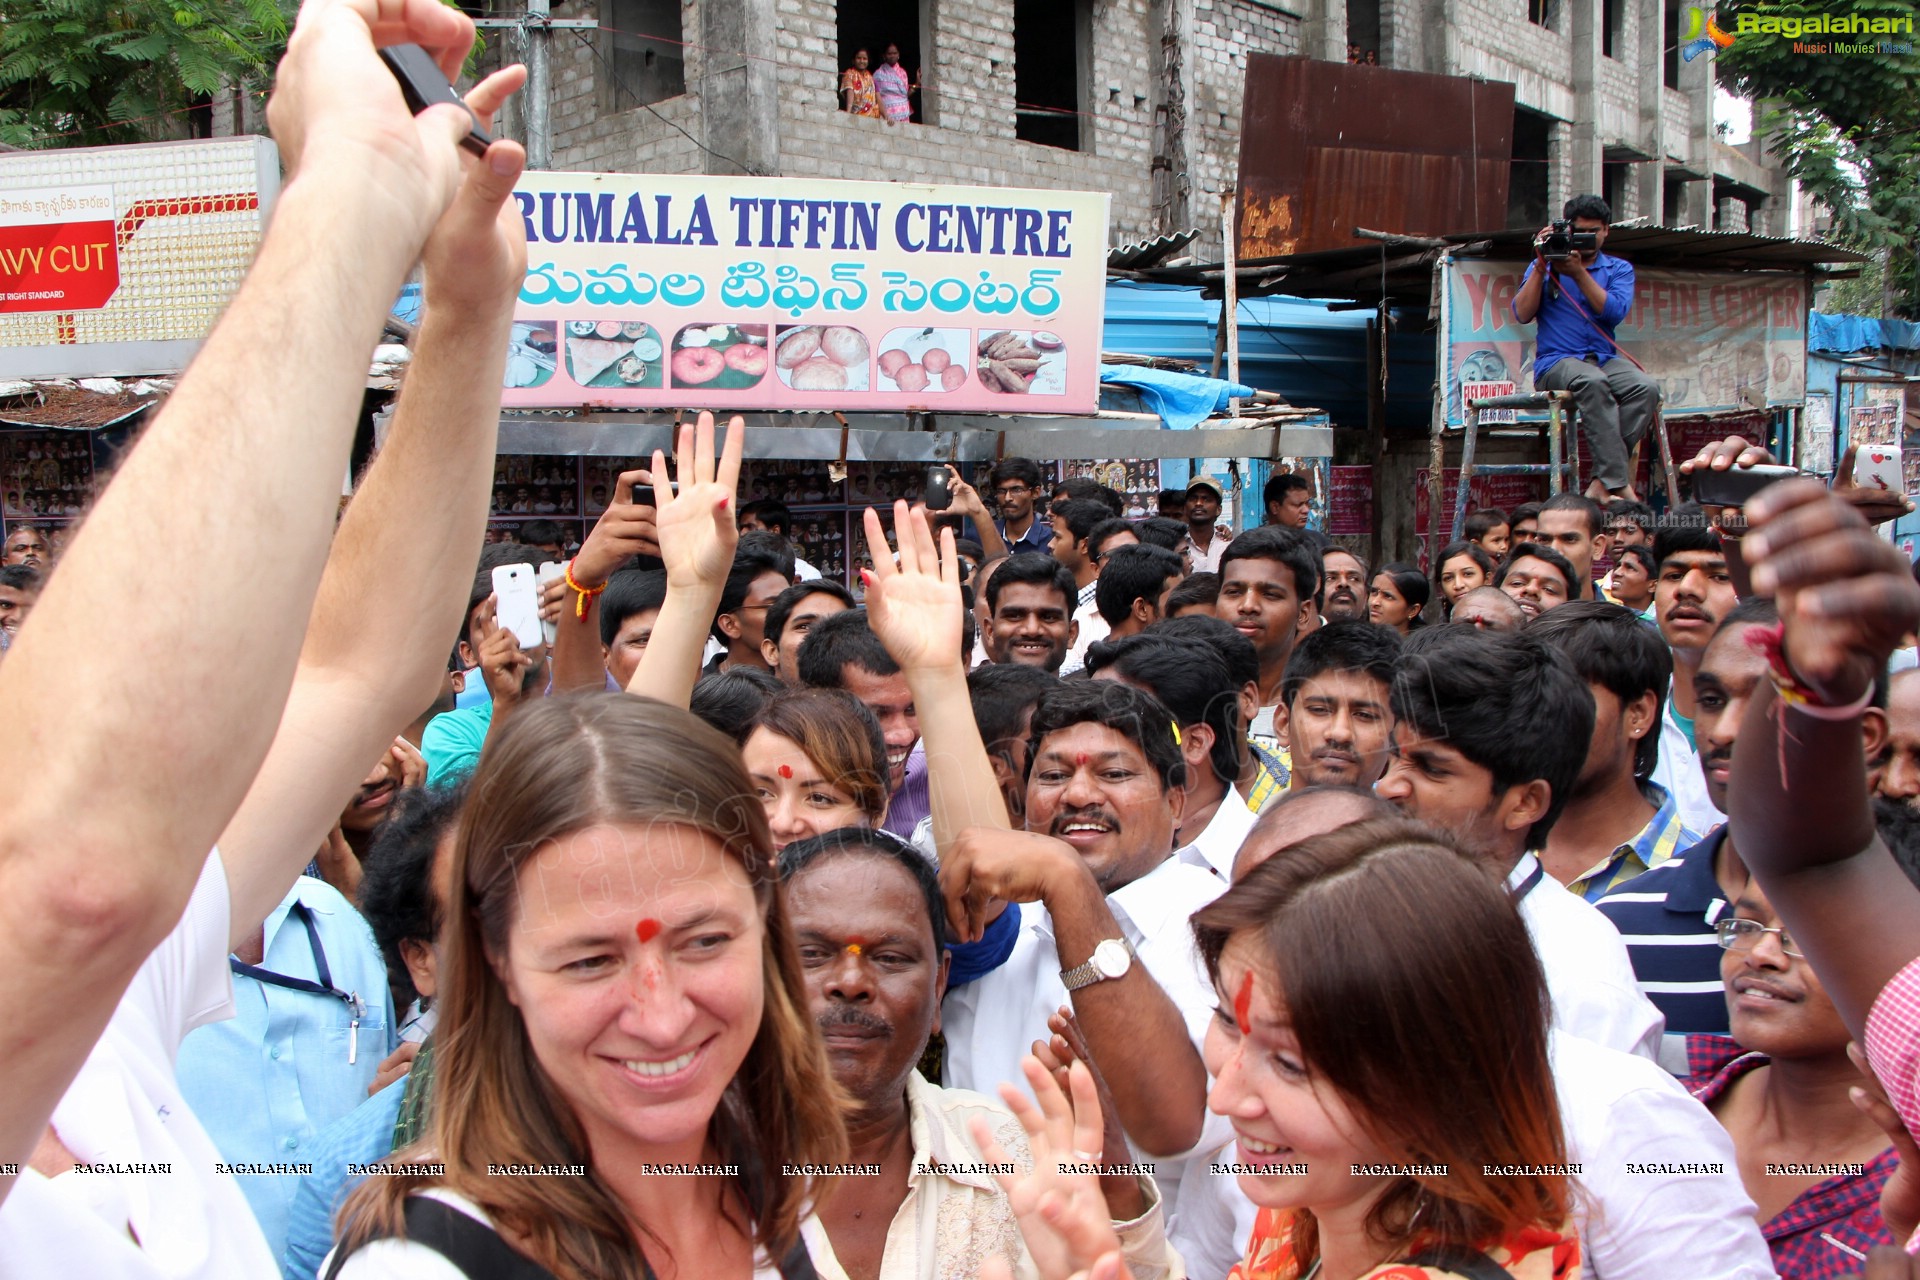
{"points": [[550, 572], [518, 602]]}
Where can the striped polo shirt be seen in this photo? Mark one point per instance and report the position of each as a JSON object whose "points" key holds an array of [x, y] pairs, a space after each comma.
{"points": [[1667, 917]]}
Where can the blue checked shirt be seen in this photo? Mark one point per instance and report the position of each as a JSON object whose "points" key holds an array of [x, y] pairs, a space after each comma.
{"points": [[1659, 840]]}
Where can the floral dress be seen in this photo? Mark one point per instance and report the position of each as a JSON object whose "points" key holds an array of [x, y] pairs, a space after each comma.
{"points": [[865, 101], [890, 78], [1535, 1253]]}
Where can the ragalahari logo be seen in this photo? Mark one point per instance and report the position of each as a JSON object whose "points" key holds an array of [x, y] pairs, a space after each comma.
{"points": [[1703, 33]]}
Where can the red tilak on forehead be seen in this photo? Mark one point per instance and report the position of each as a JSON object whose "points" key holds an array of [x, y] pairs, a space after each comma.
{"points": [[647, 929], [786, 771], [1243, 1003], [1080, 759]]}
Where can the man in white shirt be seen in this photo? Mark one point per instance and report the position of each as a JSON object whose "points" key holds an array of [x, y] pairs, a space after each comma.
{"points": [[1206, 538], [1692, 592], [1104, 921], [1491, 732], [78, 950], [870, 929]]}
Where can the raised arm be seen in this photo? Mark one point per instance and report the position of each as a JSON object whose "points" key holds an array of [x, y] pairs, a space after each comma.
{"points": [[242, 464], [395, 587], [1798, 797], [697, 537], [914, 607], [624, 530]]}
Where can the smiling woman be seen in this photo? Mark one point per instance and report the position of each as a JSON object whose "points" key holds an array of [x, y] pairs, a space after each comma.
{"points": [[622, 997]]}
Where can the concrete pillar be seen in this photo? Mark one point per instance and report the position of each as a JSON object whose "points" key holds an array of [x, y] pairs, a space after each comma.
{"points": [[739, 93], [1324, 33], [1585, 153], [1562, 177]]}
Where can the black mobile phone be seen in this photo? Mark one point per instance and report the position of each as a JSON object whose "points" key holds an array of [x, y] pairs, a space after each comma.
{"points": [[643, 494], [423, 85], [939, 495], [1734, 486]]}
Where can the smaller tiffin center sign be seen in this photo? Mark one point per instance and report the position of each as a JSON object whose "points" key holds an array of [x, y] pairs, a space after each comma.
{"points": [[118, 260]]}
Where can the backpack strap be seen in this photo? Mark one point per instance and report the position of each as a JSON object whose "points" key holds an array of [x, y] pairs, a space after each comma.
{"points": [[1466, 1262], [465, 1241]]}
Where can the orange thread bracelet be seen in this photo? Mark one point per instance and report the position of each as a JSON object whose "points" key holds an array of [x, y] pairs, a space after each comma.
{"points": [[581, 594]]}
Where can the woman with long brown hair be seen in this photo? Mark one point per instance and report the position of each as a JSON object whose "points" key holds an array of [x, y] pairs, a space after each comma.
{"points": [[1393, 1105], [626, 1066]]}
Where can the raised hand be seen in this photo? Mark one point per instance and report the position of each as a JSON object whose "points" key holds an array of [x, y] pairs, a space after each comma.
{"points": [[405, 763], [476, 256], [1067, 1046], [503, 663], [695, 526], [624, 530], [1846, 597], [1062, 1215], [914, 607]]}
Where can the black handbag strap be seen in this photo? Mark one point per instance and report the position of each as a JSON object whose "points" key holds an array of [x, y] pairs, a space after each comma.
{"points": [[1467, 1262], [478, 1251], [462, 1239]]}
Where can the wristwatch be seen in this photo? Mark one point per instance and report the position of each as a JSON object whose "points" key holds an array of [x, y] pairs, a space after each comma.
{"points": [[1111, 959]]}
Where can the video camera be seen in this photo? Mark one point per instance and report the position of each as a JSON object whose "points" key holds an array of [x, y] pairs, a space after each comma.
{"points": [[1563, 242]]}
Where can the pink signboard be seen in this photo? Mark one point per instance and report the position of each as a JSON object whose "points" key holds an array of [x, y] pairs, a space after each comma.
{"points": [[768, 293]]}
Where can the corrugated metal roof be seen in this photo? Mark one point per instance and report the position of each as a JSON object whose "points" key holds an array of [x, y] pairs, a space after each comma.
{"points": [[1142, 254]]}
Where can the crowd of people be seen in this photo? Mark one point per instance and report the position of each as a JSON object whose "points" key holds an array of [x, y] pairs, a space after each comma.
{"points": [[1084, 898]]}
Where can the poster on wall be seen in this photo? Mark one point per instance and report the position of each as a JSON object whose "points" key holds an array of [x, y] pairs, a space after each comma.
{"points": [[1715, 342], [768, 293]]}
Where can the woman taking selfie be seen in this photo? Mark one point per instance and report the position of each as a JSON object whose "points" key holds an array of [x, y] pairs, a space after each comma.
{"points": [[1361, 1166], [818, 762], [622, 997]]}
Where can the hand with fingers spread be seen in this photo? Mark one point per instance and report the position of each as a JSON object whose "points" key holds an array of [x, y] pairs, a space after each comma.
{"points": [[914, 606], [1846, 597], [1900, 1196], [1068, 1045], [1062, 1215]]}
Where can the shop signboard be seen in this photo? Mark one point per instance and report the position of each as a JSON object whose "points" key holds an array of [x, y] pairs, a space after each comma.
{"points": [[768, 293], [1715, 341]]}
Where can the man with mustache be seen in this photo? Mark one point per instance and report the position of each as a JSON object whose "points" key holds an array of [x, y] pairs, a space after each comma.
{"points": [[1344, 579], [1671, 914], [1692, 591], [1336, 711], [1896, 776], [870, 929]]}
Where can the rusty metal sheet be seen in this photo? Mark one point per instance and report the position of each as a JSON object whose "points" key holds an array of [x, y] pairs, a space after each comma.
{"points": [[1326, 147]]}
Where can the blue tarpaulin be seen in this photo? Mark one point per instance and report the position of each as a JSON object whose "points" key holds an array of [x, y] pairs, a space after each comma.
{"points": [[1860, 333], [1183, 400]]}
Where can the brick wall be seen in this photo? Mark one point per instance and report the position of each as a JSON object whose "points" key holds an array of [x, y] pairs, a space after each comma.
{"points": [[968, 101]]}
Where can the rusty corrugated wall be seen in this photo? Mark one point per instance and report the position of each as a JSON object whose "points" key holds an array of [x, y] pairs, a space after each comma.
{"points": [[1326, 147]]}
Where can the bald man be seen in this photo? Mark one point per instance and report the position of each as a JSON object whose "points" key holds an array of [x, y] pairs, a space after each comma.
{"points": [[1490, 609]]}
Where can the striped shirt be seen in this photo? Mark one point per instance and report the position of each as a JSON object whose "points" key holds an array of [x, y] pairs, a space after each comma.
{"points": [[1663, 836], [1274, 776], [1667, 917]]}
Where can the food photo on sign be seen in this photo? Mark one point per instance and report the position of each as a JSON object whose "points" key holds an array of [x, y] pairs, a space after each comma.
{"points": [[689, 291]]}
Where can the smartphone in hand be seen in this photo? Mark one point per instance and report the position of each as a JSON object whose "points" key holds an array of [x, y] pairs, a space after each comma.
{"points": [[423, 85], [517, 599], [939, 488], [1736, 485], [551, 572]]}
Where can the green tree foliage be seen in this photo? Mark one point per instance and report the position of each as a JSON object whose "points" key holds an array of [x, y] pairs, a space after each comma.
{"points": [[1846, 125], [86, 72]]}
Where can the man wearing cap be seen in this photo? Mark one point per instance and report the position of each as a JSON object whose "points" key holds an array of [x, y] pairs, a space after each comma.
{"points": [[1208, 538]]}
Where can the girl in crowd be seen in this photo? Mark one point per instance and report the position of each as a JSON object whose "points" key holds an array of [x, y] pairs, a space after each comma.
{"points": [[856, 88], [1397, 596], [891, 81], [1360, 1167], [818, 762], [1463, 566], [611, 846]]}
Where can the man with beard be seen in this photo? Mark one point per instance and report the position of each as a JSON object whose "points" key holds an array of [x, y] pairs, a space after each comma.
{"points": [[1030, 603], [1671, 913], [1336, 709], [1206, 538], [841, 652], [1618, 823], [1896, 776], [1015, 483], [870, 929], [1692, 591], [1344, 584]]}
